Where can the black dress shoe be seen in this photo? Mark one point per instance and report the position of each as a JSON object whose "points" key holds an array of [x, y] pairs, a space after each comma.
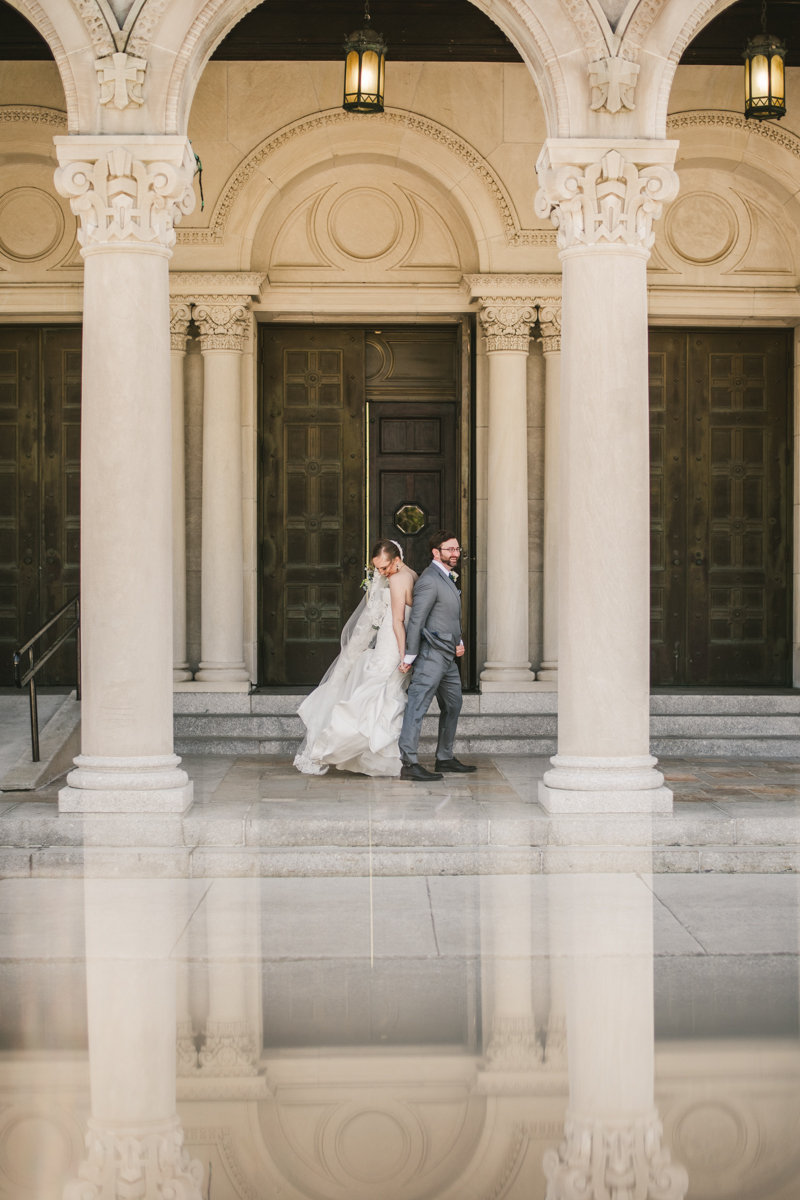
{"points": [[417, 772], [452, 764]]}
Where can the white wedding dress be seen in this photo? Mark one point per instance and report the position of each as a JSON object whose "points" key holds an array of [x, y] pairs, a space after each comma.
{"points": [[353, 719]]}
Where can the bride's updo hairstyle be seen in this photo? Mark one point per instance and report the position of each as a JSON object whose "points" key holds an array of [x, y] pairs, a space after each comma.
{"points": [[384, 546]]}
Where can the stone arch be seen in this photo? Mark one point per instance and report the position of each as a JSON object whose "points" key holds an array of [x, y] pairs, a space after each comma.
{"points": [[453, 164], [516, 18], [33, 11]]}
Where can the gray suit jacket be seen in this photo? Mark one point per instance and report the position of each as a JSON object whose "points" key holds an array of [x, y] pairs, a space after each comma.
{"points": [[435, 614]]}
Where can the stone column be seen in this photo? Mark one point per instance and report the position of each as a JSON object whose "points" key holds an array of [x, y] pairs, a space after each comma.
{"points": [[550, 323], [506, 326], [512, 1045], [134, 1143], [612, 1133], [233, 956], [127, 198], [223, 322], [180, 314], [604, 207]]}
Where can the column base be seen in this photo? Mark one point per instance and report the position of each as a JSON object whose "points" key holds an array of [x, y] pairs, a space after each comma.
{"points": [[548, 671], [507, 677], [181, 673], [151, 784], [604, 785], [222, 672]]}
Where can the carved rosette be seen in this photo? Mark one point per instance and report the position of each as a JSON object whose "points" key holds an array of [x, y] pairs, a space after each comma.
{"points": [[223, 322], [610, 202], [228, 1050], [605, 1160], [513, 1045], [550, 325], [122, 200], [147, 1161], [185, 1049], [507, 323], [180, 315]]}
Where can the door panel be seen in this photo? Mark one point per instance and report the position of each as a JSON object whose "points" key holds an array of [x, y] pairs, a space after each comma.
{"points": [[723, 608], [312, 497], [40, 389], [413, 477]]}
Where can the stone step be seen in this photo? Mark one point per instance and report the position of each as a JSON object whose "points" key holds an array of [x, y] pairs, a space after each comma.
{"points": [[704, 724]]}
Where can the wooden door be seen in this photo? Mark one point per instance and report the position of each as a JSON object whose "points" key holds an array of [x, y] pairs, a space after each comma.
{"points": [[39, 487], [312, 497], [720, 507], [413, 485]]}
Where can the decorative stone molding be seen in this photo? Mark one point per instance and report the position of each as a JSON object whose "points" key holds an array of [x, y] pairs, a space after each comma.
{"points": [[223, 322], [612, 82], [506, 323], [529, 286], [180, 314], [605, 1160], [221, 1136], [555, 1046], [17, 114], [550, 325], [397, 118], [97, 25], [185, 1049], [513, 1045], [767, 131], [596, 197], [121, 79], [228, 1050], [136, 1161], [124, 195], [234, 283]]}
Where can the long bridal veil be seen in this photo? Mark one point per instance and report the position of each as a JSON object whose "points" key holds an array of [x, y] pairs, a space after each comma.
{"points": [[358, 635]]}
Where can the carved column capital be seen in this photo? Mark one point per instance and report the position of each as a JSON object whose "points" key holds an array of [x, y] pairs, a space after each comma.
{"points": [[597, 195], [126, 193], [223, 321], [513, 1045], [228, 1050], [136, 1161], [613, 1160], [550, 325], [506, 322], [180, 315]]}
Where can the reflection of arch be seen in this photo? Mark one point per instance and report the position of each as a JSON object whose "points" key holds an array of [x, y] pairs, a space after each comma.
{"points": [[515, 17], [504, 211]]}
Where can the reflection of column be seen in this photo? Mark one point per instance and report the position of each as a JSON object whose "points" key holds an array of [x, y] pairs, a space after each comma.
{"points": [[134, 1144], [223, 322], [512, 1044], [179, 318], [126, 206], [231, 1048], [550, 320], [603, 929], [506, 325], [604, 208]]}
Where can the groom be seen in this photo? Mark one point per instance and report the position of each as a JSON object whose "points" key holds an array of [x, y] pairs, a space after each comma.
{"points": [[433, 643]]}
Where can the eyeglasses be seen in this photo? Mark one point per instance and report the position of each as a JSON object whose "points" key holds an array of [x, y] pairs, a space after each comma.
{"points": [[449, 549]]}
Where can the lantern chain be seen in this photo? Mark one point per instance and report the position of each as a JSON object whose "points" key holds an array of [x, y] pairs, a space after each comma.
{"points": [[763, 16]]}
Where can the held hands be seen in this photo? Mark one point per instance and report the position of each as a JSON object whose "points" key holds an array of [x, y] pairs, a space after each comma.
{"points": [[405, 667], [460, 649]]}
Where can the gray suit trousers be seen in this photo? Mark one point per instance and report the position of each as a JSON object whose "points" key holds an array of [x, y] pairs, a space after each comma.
{"points": [[434, 674]]}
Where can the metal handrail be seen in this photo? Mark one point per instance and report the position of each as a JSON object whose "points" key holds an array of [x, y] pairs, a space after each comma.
{"points": [[29, 677]]}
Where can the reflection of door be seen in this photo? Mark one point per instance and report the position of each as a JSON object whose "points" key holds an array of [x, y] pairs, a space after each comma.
{"points": [[40, 413], [720, 507], [413, 485], [311, 497]]}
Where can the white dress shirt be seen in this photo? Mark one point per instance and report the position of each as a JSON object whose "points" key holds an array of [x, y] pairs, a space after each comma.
{"points": [[409, 658]]}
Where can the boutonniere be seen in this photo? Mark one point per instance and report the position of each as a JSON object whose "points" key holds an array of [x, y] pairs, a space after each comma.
{"points": [[367, 580], [453, 575]]}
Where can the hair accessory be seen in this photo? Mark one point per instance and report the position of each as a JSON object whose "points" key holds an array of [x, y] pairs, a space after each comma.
{"points": [[399, 547]]}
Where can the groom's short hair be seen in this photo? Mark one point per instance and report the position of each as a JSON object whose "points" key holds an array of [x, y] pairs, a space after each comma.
{"points": [[438, 539]]}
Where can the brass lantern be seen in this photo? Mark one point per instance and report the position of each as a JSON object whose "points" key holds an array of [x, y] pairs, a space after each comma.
{"points": [[764, 78], [364, 68]]}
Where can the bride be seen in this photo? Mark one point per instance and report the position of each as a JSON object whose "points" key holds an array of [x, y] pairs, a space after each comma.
{"points": [[353, 718]]}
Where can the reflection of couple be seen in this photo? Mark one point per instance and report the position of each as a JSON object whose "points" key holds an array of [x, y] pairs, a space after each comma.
{"points": [[399, 650]]}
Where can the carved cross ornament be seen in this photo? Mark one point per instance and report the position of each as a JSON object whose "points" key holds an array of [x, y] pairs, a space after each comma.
{"points": [[121, 199], [121, 78], [612, 82], [612, 201], [223, 322]]}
